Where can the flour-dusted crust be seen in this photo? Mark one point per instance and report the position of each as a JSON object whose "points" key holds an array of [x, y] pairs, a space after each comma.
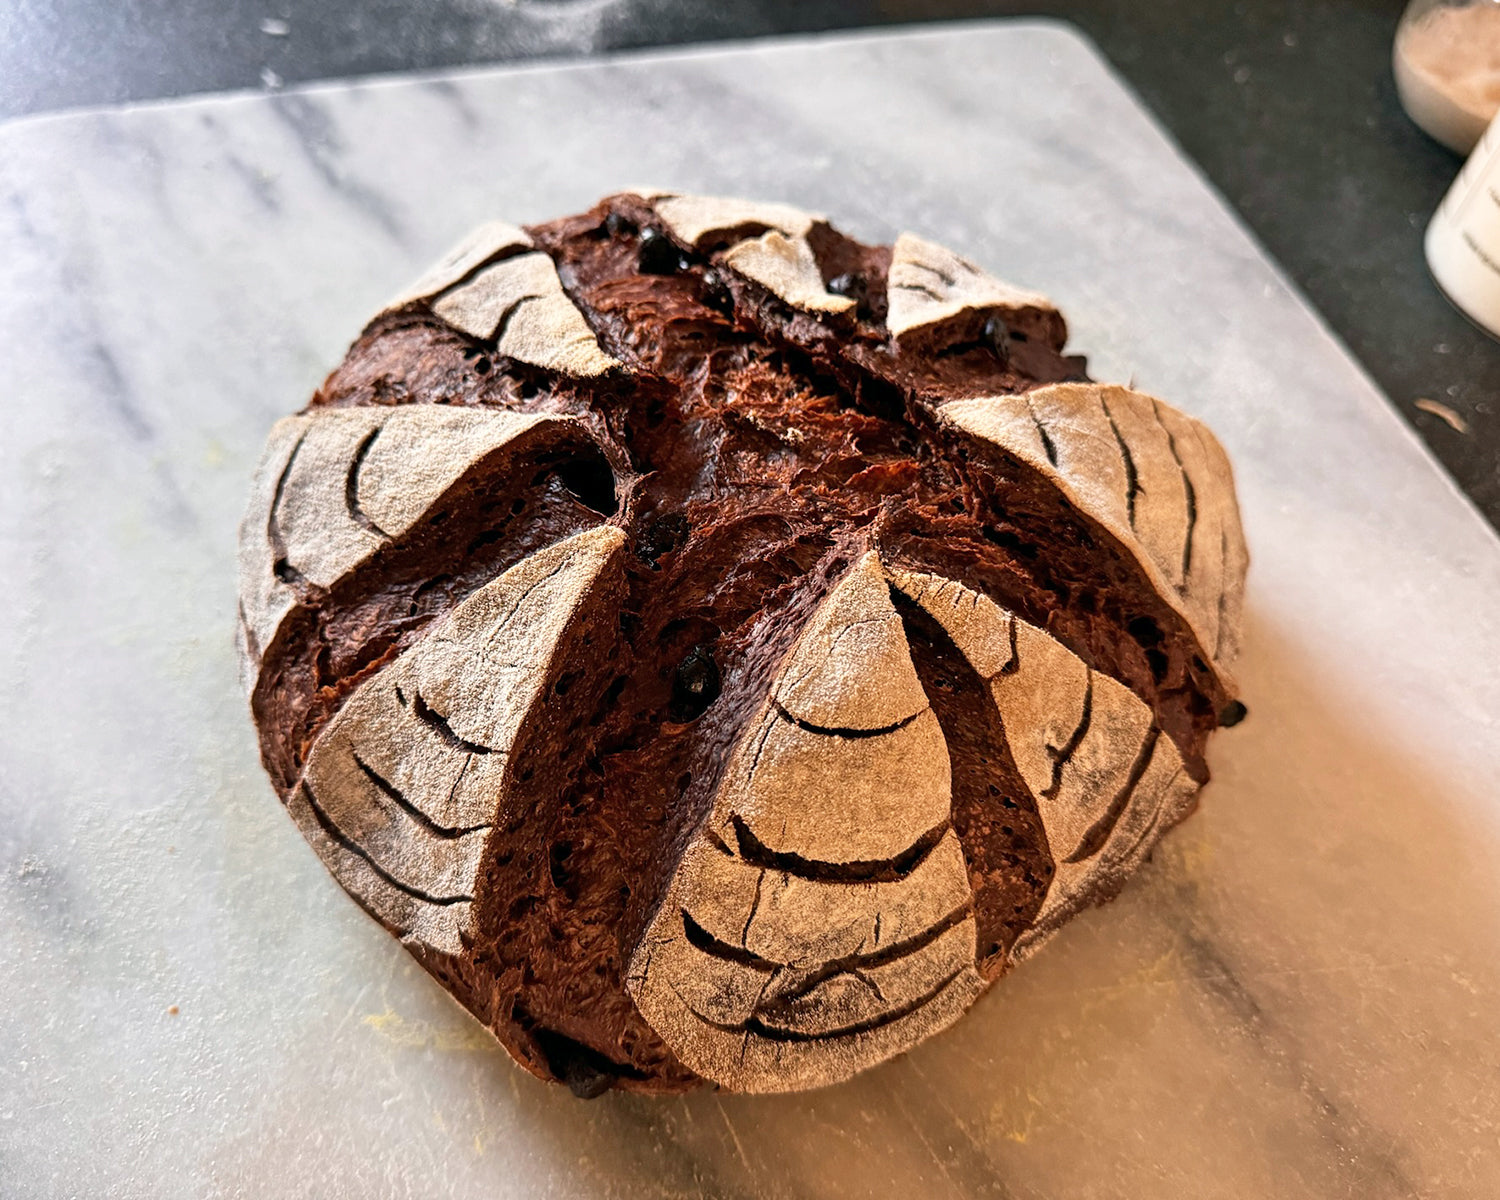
{"points": [[699, 219], [786, 266], [1155, 478], [930, 285], [738, 702], [766, 243], [405, 783], [851, 668], [522, 300], [335, 485], [490, 241], [1103, 774], [837, 802]]}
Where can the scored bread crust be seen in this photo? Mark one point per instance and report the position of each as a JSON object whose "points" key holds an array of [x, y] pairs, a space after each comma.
{"points": [[719, 649]]}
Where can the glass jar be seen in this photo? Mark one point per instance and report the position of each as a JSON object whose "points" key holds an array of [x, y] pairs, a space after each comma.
{"points": [[1447, 64], [1463, 240]]}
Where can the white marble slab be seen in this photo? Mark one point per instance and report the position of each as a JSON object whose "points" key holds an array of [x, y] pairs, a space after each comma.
{"points": [[1297, 998]]}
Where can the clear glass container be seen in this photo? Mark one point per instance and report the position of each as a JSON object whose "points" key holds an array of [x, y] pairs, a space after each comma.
{"points": [[1447, 64]]}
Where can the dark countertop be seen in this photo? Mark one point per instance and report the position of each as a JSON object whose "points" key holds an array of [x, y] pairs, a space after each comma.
{"points": [[1289, 108]]}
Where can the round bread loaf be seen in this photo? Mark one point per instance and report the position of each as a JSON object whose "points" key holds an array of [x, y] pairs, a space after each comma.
{"points": [[718, 649]]}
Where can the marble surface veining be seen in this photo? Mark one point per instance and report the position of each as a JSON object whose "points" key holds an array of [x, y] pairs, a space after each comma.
{"points": [[1300, 995]]}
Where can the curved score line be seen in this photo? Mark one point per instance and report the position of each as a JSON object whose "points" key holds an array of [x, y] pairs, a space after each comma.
{"points": [[700, 939], [447, 832], [887, 870], [771, 1033], [337, 835]]}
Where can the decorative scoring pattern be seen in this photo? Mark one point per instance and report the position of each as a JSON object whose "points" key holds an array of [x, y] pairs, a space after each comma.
{"points": [[403, 785], [335, 485], [1155, 478], [1104, 777], [822, 920], [929, 284], [521, 304], [822, 916]]}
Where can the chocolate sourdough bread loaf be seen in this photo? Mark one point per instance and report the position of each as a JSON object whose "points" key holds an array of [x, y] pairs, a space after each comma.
{"points": [[718, 649]]}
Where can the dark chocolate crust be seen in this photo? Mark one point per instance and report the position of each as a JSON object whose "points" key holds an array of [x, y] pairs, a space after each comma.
{"points": [[750, 453]]}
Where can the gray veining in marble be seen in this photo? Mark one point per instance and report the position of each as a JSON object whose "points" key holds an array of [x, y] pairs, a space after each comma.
{"points": [[1300, 996]]}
